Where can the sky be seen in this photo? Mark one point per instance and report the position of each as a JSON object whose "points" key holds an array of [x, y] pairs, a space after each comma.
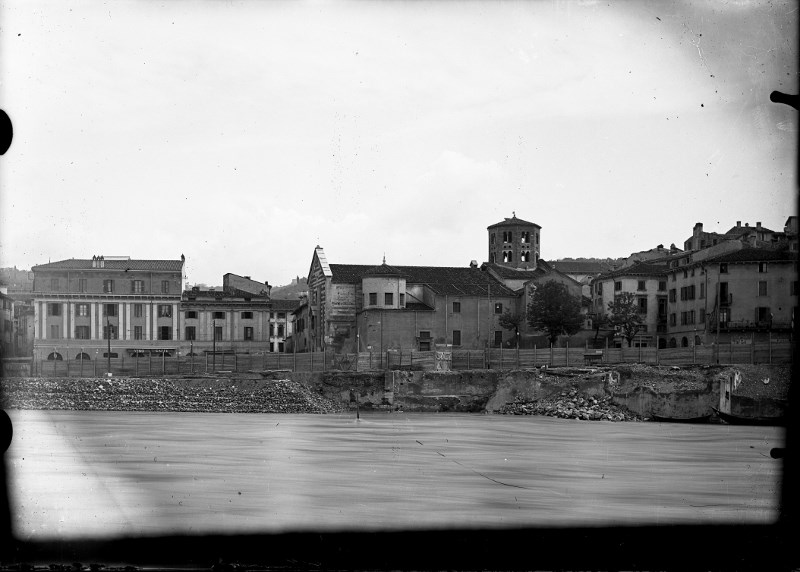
{"points": [[244, 134]]}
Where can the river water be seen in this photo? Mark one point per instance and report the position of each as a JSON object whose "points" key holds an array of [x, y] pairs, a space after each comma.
{"points": [[101, 474]]}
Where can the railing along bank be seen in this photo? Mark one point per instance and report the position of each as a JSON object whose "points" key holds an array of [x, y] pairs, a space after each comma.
{"points": [[502, 359]]}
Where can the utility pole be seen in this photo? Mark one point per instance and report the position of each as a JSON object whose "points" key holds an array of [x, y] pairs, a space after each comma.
{"points": [[108, 354]]}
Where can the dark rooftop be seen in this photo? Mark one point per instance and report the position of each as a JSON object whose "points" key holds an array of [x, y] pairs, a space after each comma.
{"points": [[450, 281], [110, 264], [513, 221]]}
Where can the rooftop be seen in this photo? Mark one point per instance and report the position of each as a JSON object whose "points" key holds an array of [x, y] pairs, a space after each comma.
{"points": [[513, 221], [112, 264]]}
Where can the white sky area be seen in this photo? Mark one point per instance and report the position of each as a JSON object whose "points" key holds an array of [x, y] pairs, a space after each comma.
{"points": [[243, 134]]}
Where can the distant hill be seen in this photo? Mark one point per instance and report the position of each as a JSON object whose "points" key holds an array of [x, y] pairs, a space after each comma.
{"points": [[16, 280], [290, 291]]}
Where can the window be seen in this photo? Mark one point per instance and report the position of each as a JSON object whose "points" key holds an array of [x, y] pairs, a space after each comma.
{"points": [[373, 298], [763, 315], [388, 299], [762, 288], [762, 267], [280, 330], [673, 319], [82, 285], [456, 337], [248, 333], [108, 286], [683, 293], [110, 355], [54, 309], [424, 334], [191, 314], [456, 307], [690, 292], [702, 290], [672, 295], [54, 333], [280, 347], [491, 239], [642, 305], [272, 329], [218, 333], [617, 286], [137, 333], [691, 316], [137, 310], [110, 310], [165, 286], [683, 318], [54, 284], [640, 285], [219, 315], [685, 274], [281, 315], [723, 268], [598, 288], [402, 300], [82, 332], [164, 333], [137, 286], [112, 330], [702, 316], [164, 311], [498, 308], [82, 310], [498, 338], [247, 315], [662, 285], [191, 333]]}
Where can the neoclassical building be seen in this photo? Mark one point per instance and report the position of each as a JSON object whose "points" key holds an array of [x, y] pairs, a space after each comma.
{"points": [[79, 304]]}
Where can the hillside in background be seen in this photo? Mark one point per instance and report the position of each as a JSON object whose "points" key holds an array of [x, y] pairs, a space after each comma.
{"points": [[16, 280], [290, 291]]}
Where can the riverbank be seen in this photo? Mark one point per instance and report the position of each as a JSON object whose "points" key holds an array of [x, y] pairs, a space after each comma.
{"points": [[621, 393]]}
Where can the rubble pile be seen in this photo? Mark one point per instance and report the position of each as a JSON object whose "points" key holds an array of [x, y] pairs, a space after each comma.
{"points": [[569, 404], [131, 394]]}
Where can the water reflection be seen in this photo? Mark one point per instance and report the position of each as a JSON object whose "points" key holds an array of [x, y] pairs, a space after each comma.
{"points": [[100, 473]]}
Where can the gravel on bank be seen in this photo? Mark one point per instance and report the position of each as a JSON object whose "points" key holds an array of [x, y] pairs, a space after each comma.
{"points": [[218, 395], [572, 405]]}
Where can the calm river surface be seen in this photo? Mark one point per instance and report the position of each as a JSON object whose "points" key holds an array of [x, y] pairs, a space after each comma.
{"points": [[76, 474]]}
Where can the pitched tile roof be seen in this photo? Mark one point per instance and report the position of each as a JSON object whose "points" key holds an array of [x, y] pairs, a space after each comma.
{"points": [[287, 305], [638, 269], [756, 255], [86, 264], [443, 280], [509, 273], [383, 270], [745, 229], [580, 267], [513, 221]]}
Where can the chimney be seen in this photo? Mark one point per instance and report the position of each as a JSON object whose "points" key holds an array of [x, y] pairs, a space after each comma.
{"points": [[738, 223], [673, 248], [747, 224], [94, 261], [247, 278], [660, 247], [698, 228], [758, 225], [473, 263]]}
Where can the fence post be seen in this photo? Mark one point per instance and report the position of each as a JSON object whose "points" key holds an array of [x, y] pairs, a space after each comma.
{"points": [[312, 361], [752, 348], [67, 365], [501, 356], [550, 364], [484, 359], [605, 353], [122, 366], [324, 359], [640, 351], [730, 349], [566, 355], [294, 360], [534, 355], [207, 363], [235, 362], [81, 363], [370, 360], [95, 365], [279, 360], [163, 363], [150, 362], [135, 365], [657, 362], [468, 364], [769, 337]]}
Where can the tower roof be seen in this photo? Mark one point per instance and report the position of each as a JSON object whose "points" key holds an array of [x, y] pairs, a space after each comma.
{"points": [[513, 221]]}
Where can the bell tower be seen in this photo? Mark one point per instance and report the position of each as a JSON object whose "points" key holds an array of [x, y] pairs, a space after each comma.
{"points": [[515, 243]]}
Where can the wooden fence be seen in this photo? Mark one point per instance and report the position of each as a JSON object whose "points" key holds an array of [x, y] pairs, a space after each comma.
{"points": [[503, 359]]}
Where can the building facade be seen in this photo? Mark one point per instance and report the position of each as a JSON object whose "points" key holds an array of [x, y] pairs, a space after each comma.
{"points": [[515, 242], [81, 304], [377, 308]]}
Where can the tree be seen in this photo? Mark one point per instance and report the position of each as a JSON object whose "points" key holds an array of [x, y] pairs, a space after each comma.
{"points": [[554, 310], [509, 321], [625, 315]]}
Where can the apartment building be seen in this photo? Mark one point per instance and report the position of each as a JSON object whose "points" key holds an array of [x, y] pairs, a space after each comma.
{"points": [[7, 329], [81, 304]]}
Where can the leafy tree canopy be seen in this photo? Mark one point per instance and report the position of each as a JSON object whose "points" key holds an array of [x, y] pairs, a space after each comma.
{"points": [[624, 315], [554, 310]]}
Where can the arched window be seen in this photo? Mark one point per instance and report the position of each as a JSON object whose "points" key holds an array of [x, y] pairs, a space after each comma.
{"points": [[83, 356], [684, 342], [697, 341], [55, 356], [672, 343]]}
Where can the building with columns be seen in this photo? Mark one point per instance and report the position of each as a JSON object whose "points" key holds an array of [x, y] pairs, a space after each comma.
{"points": [[79, 304]]}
